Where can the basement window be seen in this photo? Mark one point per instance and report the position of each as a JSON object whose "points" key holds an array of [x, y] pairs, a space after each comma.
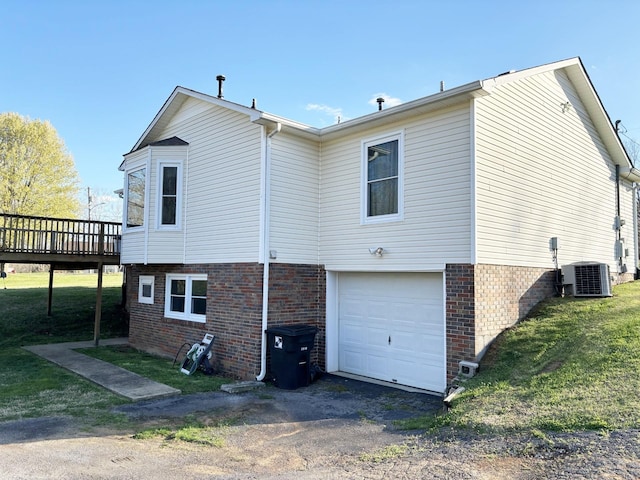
{"points": [[146, 289], [186, 297]]}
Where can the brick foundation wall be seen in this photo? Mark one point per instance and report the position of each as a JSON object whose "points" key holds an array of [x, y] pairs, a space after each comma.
{"points": [[460, 316], [234, 311], [483, 300], [297, 296], [504, 296]]}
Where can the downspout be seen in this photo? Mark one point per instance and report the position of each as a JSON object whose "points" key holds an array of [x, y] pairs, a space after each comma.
{"points": [[265, 252], [635, 228], [618, 226]]}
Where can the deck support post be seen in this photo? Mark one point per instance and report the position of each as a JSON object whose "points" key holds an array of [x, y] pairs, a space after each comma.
{"points": [[98, 318], [50, 301]]}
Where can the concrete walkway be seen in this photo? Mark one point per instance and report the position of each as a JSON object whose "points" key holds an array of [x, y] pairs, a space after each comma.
{"points": [[118, 380]]}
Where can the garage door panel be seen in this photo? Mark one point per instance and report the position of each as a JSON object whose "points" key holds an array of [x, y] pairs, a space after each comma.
{"points": [[351, 334], [404, 308], [377, 366], [352, 361], [377, 337]]}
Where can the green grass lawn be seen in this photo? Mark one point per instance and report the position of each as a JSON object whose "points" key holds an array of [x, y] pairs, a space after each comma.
{"points": [[23, 308], [33, 387], [572, 365]]}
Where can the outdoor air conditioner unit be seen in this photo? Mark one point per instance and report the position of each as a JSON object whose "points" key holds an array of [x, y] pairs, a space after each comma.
{"points": [[587, 279]]}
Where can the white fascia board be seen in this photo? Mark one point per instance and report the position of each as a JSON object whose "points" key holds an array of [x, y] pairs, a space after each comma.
{"points": [[253, 113], [296, 128], [578, 75], [470, 90], [155, 120], [177, 98], [512, 76]]}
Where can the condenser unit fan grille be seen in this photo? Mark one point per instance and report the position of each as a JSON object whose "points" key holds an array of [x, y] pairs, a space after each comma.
{"points": [[588, 280]]}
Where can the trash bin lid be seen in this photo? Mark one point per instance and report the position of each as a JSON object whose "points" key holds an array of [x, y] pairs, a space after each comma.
{"points": [[292, 330]]}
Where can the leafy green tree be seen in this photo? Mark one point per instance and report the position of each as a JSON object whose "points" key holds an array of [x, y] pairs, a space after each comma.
{"points": [[37, 173]]}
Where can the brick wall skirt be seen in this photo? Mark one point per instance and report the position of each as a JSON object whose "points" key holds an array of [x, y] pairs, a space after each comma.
{"points": [[483, 300], [297, 296], [234, 311]]}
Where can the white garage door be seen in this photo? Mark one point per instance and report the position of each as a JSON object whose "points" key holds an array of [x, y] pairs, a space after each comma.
{"points": [[391, 328]]}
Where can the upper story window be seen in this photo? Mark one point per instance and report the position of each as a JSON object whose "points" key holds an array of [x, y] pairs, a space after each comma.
{"points": [[382, 185], [135, 194], [169, 194]]}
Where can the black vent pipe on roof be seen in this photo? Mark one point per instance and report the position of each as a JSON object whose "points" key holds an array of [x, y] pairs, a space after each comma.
{"points": [[220, 79], [380, 101]]}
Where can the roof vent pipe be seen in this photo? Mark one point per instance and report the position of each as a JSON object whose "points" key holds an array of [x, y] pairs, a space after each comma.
{"points": [[442, 85], [380, 101], [220, 79]]}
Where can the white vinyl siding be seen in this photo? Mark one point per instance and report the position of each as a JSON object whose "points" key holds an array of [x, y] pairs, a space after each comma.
{"points": [[164, 245], [220, 208], [542, 172], [436, 228], [294, 199], [223, 184]]}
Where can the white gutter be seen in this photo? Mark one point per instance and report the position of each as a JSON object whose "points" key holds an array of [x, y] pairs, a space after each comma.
{"points": [[265, 251]]}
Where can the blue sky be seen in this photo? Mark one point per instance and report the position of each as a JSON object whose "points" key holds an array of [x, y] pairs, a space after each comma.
{"points": [[100, 71]]}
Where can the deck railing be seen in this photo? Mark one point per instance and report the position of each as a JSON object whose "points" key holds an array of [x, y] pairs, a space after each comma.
{"points": [[28, 234]]}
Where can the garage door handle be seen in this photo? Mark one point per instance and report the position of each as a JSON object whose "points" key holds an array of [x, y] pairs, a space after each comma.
{"points": [[389, 339]]}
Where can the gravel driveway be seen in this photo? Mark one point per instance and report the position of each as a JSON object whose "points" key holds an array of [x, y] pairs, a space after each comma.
{"points": [[336, 428]]}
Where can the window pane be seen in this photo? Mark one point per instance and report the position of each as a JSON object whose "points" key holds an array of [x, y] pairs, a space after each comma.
{"points": [[199, 306], [169, 180], [383, 197], [178, 287], [383, 160], [169, 210], [146, 290], [177, 304], [135, 198], [199, 288]]}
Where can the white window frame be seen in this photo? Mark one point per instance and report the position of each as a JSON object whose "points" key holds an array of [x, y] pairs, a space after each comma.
{"points": [[365, 219], [142, 281], [161, 165], [186, 315], [126, 198]]}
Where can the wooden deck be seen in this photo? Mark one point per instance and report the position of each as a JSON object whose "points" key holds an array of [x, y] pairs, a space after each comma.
{"points": [[65, 243]]}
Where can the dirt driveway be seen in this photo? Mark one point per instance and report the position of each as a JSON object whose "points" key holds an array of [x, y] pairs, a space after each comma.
{"points": [[336, 428]]}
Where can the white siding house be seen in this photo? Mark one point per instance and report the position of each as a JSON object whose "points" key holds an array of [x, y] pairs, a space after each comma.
{"points": [[410, 237]]}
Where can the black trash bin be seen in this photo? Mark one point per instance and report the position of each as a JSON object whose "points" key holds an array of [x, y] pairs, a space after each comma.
{"points": [[290, 348]]}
